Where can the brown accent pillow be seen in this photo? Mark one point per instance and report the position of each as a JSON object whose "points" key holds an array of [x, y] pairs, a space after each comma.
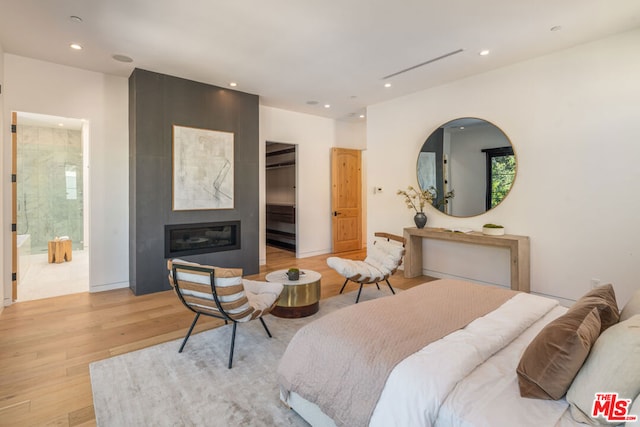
{"points": [[556, 354], [604, 298]]}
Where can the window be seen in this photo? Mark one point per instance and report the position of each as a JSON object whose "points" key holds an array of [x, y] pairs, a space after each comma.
{"points": [[501, 171], [71, 182]]}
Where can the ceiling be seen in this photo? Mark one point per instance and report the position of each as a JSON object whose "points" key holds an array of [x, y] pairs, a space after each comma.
{"points": [[295, 52]]}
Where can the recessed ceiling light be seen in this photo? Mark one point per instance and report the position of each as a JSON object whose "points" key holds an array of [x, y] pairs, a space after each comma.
{"points": [[362, 116], [556, 28], [61, 124], [122, 58], [484, 52], [387, 85], [76, 19], [327, 106], [233, 84], [75, 46]]}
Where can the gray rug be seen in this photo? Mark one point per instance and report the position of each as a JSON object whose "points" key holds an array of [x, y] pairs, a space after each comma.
{"points": [[158, 386]]}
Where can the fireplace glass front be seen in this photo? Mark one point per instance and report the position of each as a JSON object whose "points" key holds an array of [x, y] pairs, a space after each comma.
{"points": [[201, 238]]}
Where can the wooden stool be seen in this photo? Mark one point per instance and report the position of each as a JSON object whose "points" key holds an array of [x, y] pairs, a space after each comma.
{"points": [[59, 251]]}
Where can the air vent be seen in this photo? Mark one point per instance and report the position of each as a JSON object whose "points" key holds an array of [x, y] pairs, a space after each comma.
{"points": [[446, 55]]}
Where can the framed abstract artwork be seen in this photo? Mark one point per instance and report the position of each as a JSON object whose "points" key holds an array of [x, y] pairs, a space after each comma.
{"points": [[202, 169]]}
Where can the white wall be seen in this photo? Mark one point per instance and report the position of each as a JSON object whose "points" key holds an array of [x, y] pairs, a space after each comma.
{"points": [[353, 135], [3, 229], [46, 88], [314, 137], [574, 120]]}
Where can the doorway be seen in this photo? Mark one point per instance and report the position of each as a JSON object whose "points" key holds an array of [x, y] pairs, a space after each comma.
{"points": [[51, 253], [280, 181]]}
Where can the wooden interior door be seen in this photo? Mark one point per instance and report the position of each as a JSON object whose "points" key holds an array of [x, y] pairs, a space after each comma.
{"points": [[14, 204], [346, 199]]}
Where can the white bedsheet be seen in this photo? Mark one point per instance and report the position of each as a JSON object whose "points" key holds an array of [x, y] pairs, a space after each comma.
{"points": [[417, 392], [489, 396]]}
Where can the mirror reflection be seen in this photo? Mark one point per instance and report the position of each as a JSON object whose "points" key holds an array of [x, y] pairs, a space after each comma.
{"points": [[470, 163]]}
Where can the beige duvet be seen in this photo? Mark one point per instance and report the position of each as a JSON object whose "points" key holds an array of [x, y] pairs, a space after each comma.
{"points": [[341, 361]]}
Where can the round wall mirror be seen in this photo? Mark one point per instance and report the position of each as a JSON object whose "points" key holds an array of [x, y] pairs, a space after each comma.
{"points": [[469, 164]]}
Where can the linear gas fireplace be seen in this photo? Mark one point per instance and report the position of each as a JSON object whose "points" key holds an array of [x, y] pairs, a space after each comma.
{"points": [[201, 238]]}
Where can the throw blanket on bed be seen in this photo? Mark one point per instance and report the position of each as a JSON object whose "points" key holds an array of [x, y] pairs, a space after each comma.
{"points": [[341, 361]]}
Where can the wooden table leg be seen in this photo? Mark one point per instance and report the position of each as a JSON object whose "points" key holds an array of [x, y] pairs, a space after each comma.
{"points": [[51, 247], [412, 256]]}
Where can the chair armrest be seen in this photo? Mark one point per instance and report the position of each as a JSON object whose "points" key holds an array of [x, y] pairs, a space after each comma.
{"points": [[390, 236]]}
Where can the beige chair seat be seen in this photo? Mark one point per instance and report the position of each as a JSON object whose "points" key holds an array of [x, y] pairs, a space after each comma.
{"points": [[262, 295]]}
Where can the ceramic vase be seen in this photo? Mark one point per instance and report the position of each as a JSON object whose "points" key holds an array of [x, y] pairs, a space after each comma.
{"points": [[420, 219]]}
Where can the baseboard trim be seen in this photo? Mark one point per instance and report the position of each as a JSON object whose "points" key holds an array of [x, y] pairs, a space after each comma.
{"points": [[439, 275], [313, 253], [108, 287]]}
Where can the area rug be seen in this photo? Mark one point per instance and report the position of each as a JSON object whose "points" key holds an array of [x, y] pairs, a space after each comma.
{"points": [[159, 386]]}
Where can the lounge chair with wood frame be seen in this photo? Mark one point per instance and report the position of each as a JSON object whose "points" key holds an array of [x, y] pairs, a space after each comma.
{"points": [[222, 293], [383, 259]]}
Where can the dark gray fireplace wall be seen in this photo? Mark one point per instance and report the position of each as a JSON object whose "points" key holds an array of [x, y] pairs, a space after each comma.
{"points": [[156, 103]]}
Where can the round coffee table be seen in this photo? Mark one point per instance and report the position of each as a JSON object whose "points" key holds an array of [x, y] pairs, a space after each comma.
{"points": [[299, 298]]}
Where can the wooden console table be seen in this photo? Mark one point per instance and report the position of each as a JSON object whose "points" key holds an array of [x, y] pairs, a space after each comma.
{"points": [[518, 245]]}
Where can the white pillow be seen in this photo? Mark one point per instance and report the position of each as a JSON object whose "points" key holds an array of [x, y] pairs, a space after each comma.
{"points": [[632, 307], [635, 410], [613, 366]]}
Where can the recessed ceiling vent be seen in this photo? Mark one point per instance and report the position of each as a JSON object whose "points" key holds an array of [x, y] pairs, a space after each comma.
{"points": [[432, 60]]}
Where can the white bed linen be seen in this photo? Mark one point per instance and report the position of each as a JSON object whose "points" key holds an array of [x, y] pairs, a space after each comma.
{"points": [[420, 384], [467, 378], [489, 396]]}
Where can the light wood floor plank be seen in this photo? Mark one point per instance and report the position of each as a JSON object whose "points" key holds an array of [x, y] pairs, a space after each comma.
{"points": [[46, 346]]}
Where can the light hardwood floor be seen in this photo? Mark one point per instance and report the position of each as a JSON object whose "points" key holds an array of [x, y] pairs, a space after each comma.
{"points": [[46, 346]]}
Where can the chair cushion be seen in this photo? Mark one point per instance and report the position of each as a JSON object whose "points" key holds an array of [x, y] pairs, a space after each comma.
{"points": [[262, 295], [359, 270], [385, 256]]}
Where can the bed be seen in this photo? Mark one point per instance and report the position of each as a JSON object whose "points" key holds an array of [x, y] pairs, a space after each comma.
{"points": [[349, 368]]}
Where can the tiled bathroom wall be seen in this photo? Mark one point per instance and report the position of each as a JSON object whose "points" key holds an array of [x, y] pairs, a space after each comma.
{"points": [[49, 185]]}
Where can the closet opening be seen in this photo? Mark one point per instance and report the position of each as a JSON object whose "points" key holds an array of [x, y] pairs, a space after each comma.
{"points": [[281, 223]]}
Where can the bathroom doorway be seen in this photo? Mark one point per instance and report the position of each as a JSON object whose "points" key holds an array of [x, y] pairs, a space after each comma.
{"points": [[51, 254]]}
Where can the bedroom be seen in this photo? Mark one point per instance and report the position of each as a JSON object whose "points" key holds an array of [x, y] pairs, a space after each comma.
{"points": [[571, 104], [564, 112]]}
